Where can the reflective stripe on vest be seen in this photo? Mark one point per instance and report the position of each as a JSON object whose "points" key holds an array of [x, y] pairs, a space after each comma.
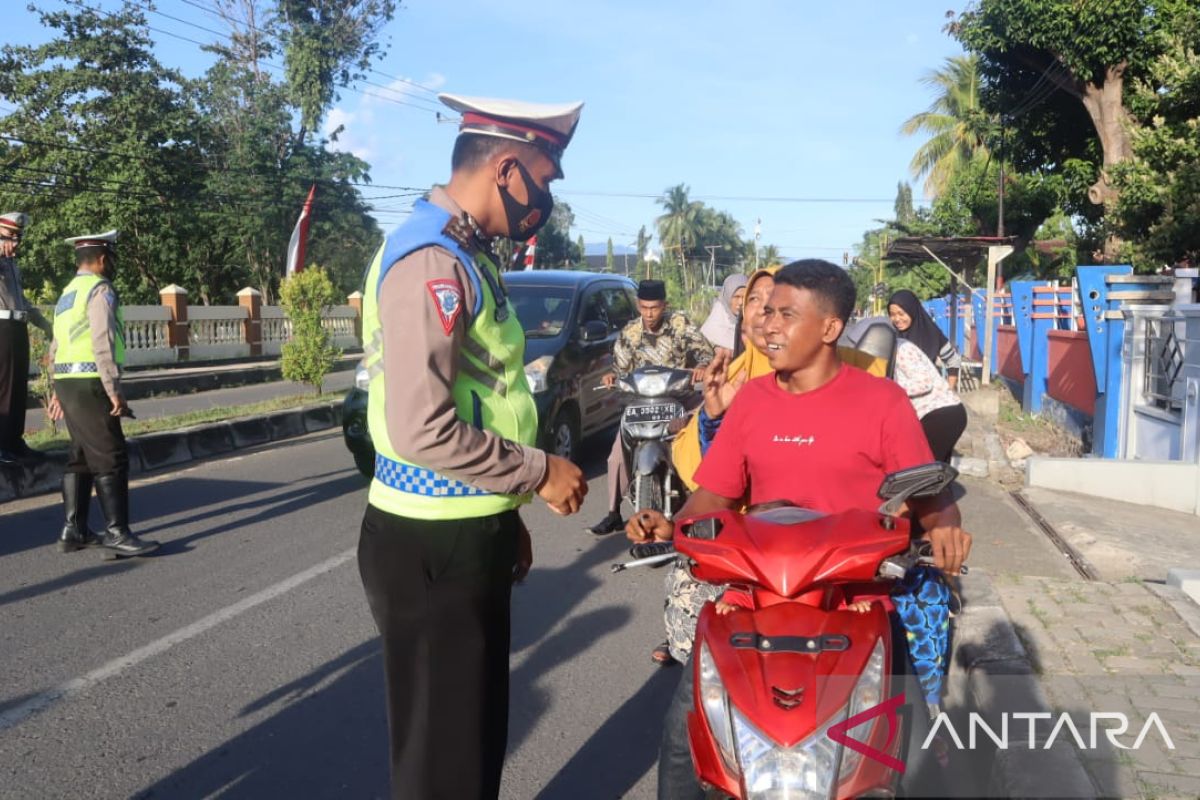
{"points": [[490, 390]]}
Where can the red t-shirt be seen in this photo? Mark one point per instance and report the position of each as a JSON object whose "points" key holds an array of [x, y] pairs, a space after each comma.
{"points": [[828, 449]]}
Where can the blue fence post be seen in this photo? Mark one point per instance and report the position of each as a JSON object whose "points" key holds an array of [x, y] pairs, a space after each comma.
{"points": [[979, 320], [1105, 338], [1022, 298], [1037, 377]]}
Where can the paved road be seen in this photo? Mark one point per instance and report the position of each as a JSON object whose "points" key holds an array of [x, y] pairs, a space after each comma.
{"points": [[242, 660], [153, 407]]}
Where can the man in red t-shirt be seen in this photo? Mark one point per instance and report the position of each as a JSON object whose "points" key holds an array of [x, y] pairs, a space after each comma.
{"points": [[817, 433]]}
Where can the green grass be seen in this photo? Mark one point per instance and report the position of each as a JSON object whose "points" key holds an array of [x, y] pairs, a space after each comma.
{"points": [[46, 439]]}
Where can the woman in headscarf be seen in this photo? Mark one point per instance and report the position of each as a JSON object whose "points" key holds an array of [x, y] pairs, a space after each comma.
{"points": [[721, 328], [913, 323], [940, 410]]}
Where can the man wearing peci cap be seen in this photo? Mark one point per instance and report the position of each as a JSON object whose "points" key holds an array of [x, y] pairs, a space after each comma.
{"points": [[87, 353], [15, 314], [658, 338], [454, 422]]}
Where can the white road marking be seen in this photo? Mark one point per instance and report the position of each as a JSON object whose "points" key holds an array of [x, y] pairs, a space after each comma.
{"points": [[18, 714]]}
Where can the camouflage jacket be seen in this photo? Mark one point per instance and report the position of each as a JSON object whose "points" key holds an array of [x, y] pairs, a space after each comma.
{"points": [[678, 344]]}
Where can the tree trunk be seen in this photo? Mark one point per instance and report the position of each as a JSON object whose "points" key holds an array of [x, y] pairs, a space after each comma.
{"points": [[1105, 105]]}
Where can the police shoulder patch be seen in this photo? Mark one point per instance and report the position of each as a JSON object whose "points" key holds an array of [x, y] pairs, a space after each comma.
{"points": [[447, 295]]}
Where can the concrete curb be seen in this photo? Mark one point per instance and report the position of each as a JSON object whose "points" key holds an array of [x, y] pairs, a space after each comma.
{"points": [[991, 673], [136, 385], [155, 451]]}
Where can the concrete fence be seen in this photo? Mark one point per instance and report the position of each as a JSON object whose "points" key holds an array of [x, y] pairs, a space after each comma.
{"points": [[175, 331]]}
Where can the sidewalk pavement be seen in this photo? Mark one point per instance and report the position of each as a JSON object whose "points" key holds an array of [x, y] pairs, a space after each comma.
{"points": [[1123, 642]]}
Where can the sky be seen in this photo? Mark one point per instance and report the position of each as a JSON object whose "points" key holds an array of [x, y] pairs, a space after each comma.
{"points": [[784, 111]]}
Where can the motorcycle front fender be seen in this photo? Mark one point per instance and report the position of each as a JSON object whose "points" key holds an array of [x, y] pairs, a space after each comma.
{"points": [[649, 457]]}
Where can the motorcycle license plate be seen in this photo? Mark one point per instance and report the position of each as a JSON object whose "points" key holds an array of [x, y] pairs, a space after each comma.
{"points": [[664, 413]]}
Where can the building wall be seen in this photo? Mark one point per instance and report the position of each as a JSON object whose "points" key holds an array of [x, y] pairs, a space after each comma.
{"points": [[1008, 354]]}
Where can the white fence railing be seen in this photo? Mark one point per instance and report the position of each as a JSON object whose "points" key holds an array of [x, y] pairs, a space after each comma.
{"points": [[217, 332], [147, 336]]}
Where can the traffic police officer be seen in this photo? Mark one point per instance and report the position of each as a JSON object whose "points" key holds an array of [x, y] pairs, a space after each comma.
{"points": [[87, 352], [15, 314], [454, 422]]}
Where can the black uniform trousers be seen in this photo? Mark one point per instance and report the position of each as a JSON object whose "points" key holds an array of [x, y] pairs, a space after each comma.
{"points": [[439, 591], [14, 377], [97, 441]]}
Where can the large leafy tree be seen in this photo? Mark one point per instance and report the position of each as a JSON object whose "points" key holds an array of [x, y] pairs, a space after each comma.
{"points": [[327, 45], [104, 136], [955, 122], [1159, 206], [1071, 61]]}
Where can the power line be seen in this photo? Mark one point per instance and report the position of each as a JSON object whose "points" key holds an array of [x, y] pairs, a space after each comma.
{"points": [[409, 81]]}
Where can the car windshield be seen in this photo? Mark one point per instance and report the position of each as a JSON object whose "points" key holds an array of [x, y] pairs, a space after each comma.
{"points": [[542, 310]]}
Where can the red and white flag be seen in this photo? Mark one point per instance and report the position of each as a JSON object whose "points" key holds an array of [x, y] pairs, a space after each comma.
{"points": [[530, 252], [295, 251]]}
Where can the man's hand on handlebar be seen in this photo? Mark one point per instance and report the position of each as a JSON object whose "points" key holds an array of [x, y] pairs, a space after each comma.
{"points": [[951, 546], [646, 525]]}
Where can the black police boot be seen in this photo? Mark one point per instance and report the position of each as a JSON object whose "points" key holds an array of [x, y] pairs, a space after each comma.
{"points": [[77, 499], [113, 493], [610, 524]]}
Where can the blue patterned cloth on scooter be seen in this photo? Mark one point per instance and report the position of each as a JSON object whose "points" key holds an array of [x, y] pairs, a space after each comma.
{"points": [[922, 601]]}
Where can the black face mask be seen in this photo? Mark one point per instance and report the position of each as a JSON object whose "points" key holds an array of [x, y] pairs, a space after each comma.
{"points": [[524, 220]]}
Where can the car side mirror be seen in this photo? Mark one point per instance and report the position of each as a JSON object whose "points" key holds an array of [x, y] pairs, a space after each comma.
{"points": [[927, 480], [593, 331]]}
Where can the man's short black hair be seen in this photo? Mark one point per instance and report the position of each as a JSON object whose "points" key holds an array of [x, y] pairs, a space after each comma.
{"points": [[87, 255], [473, 151], [829, 282]]}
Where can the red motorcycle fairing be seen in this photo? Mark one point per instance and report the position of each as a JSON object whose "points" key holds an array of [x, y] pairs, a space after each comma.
{"points": [[786, 695], [748, 550]]}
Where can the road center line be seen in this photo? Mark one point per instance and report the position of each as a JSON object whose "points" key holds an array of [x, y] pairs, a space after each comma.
{"points": [[34, 705]]}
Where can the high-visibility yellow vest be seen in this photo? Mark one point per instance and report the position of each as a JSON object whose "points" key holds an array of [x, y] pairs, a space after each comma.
{"points": [[74, 356], [490, 391]]}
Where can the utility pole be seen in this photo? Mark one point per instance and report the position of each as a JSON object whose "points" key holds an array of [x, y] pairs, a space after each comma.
{"points": [[712, 262], [757, 236]]}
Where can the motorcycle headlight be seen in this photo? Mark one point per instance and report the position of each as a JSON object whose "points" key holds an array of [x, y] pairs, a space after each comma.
{"points": [[652, 385], [771, 772], [536, 372], [362, 378], [868, 693], [716, 705]]}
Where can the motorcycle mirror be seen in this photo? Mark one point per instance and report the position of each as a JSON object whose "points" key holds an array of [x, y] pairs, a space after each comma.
{"points": [[706, 528], [926, 480]]}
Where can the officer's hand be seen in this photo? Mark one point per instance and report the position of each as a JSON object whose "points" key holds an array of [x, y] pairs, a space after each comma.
{"points": [[646, 525], [524, 552], [609, 380], [119, 406], [951, 546], [564, 486], [54, 408]]}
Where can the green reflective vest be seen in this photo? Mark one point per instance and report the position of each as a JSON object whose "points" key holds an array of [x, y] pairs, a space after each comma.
{"points": [[490, 391], [74, 356]]}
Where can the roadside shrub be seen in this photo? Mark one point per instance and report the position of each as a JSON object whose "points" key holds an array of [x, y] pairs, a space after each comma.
{"points": [[308, 356]]}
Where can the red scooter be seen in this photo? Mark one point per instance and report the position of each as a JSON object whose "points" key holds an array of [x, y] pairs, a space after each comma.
{"points": [[795, 698]]}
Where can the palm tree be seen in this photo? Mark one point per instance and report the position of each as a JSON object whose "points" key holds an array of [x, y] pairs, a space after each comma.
{"points": [[770, 256], [679, 226], [955, 122]]}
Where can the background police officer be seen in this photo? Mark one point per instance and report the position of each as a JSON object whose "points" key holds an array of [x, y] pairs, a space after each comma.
{"points": [[454, 423], [87, 352], [15, 314]]}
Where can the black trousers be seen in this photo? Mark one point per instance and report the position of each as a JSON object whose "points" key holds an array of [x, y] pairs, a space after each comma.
{"points": [[97, 441], [943, 428], [439, 592], [14, 377]]}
